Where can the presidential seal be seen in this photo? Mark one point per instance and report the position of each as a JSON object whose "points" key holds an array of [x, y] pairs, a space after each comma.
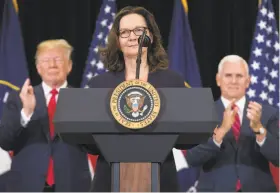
{"points": [[135, 104]]}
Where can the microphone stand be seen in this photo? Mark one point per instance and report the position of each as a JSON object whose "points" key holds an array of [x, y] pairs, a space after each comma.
{"points": [[138, 60]]}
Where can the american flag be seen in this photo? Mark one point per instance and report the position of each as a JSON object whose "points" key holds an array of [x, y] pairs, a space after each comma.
{"points": [[104, 22], [94, 66], [264, 59], [264, 64]]}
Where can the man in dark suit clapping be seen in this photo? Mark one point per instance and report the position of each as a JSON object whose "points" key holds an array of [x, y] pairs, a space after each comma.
{"points": [[246, 140], [42, 161]]}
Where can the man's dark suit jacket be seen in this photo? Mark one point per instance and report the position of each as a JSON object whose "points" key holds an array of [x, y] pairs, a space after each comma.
{"points": [[3, 181], [244, 159], [168, 175], [32, 150]]}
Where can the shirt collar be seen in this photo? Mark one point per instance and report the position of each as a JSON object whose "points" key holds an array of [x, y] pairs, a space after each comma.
{"points": [[47, 89], [240, 103]]}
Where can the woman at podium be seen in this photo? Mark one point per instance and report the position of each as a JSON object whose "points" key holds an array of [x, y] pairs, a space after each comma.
{"points": [[119, 58]]}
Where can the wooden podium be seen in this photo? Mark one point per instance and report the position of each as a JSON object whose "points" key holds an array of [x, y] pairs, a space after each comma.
{"points": [[187, 117], [136, 177]]}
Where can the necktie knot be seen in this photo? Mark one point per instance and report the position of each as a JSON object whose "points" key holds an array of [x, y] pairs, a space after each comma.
{"points": [[233, 106], [54, 92]]}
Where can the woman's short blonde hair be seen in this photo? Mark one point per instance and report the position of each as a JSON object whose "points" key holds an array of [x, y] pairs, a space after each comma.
{"points": [[55, 43]]}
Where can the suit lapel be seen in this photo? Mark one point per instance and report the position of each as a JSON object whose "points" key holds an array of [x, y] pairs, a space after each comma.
{"points": [[229, 136], [41, 111]]}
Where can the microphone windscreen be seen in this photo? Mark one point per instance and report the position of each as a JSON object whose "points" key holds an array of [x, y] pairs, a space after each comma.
{"points": [[146, 41]]}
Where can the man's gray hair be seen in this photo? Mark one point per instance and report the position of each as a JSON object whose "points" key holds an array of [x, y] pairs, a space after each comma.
{"points": [[232, 59]]}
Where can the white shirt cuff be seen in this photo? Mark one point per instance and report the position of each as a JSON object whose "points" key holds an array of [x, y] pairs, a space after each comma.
{"points": [[262, 142], [24, 120], [218, 144]]}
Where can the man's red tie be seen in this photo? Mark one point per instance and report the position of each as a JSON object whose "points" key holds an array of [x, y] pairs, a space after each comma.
{"points": [[236, 132], [236, 125], [51, 111]]}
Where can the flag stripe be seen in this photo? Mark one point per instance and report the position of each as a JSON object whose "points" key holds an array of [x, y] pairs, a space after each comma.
{"points": [[185, 5], [15, 5]]}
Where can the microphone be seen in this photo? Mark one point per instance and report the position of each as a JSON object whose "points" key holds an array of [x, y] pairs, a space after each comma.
{"points": [[143, 41]]}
